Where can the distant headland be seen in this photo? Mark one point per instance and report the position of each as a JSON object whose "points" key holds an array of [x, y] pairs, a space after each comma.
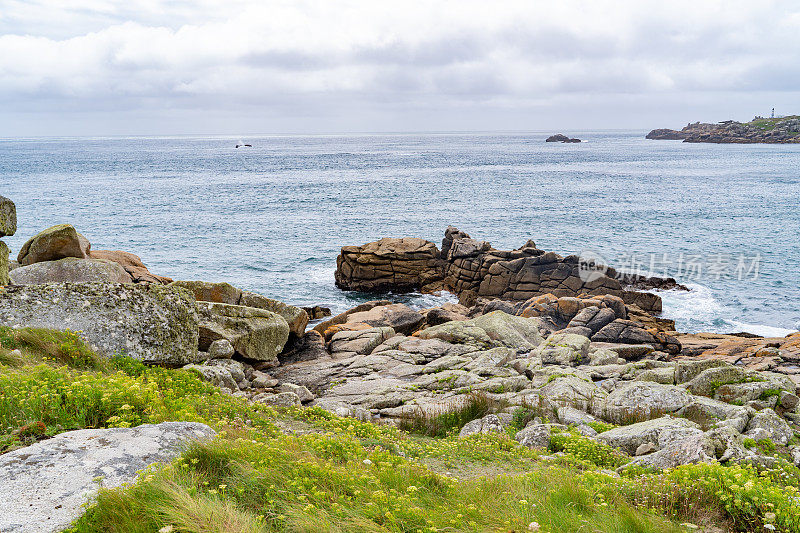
{"points": [[775, 130]]}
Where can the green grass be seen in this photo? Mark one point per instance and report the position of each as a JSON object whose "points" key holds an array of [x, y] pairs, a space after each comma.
{"points": [[306, 470], [447, 421]]}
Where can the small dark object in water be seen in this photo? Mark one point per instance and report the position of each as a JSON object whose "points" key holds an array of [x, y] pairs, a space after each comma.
{"points": [[247, 145]]}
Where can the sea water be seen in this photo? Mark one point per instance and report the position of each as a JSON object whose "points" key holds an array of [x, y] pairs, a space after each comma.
{"points": [[723, 219]]}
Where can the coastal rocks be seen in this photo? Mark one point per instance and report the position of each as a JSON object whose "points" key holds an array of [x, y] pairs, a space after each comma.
{"points": [[4, 264], [8, 217], [564, 349], [152, 323], [72, 270], [225, 293], [494, 329], [487, 424], [390, 264], [132, 264], [360, 342], [766, 424], [306, 348], [783, 130], [254, 333], [560, 138], [220, 349], [537, 435], [46, 485], [643, 400], [659, 431], [56, 242], [399, 317]]}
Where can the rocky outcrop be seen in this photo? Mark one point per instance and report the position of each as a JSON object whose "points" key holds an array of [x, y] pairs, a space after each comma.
{"points": [[71, 270], [560, 138], [152, 323], [399, 265], [466, 265], [254, 333], [225, 293], [783, 130], [132, 264], [4, 264], [48, 484], [56, 242]]}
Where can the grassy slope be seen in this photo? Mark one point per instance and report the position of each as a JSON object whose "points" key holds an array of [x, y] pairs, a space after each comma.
{"points": [[770, 123], [307, 470]]}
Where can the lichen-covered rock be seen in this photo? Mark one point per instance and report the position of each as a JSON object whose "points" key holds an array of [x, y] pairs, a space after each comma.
{"points": [[56, 242], [8, 217], [216, 375], [709, 380], [47, 484], [254, 333], [491, 330], [692, 449], [660, 431], [70, 270], [643, 400], [360, 342], [300, 391], [152, 323], [4, 264], [399, 317], [487, 424], [221, 349], [564, 349], [767, 424], [537, 435], [561, 391], [709, 412]]}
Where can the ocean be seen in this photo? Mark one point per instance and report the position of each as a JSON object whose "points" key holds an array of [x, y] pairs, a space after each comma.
{"points": [[722, 219]]}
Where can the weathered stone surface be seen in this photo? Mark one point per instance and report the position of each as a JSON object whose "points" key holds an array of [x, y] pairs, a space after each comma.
{"points": [[220, 349], [4, 264], [708, 381], [399, 317], [254, 333], [8, 217], [300, 391], [399, 265], [643, 400], [216, 375], [572, 391], [494, 329], [487, 424], [659, 431], [132, 264], [56, 242], [306, 348], [360, 342], [46, 485], [692, 449], [341, 318], [537, 435], [152, 323], [708, 412], [70, 269], [766, 423], [225, 293], [564, 349], [282, 399]]}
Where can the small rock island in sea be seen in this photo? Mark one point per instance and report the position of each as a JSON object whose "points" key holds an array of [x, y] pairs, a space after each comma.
{"points": [[780, 130]]}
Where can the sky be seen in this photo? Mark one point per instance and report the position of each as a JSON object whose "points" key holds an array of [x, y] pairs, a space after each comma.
{"points": [[152, 67]]}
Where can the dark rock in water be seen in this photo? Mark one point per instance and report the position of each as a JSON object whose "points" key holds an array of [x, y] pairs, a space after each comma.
{"points": [[56, 242], [664, 134], [557, 138], [573, 140]]}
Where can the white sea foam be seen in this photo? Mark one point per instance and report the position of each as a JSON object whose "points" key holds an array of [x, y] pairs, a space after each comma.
{"points": [[698, 310]]}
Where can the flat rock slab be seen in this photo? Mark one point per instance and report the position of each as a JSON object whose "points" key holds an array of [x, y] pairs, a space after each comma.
{"points": [[45, 485]]}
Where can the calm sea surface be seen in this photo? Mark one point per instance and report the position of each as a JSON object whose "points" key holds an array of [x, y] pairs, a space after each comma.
{"points": [[271, 218]]}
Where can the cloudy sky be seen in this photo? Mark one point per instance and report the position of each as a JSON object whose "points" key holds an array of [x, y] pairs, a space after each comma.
{"points": [[94, 67]]}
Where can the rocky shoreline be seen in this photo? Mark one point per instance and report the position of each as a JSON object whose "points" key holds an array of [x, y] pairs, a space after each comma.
{"points": [[573, 344], [784, 130]]}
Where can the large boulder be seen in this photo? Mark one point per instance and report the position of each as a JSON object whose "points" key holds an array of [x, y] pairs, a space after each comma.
{"points": [[132, 264], [225, 293], [56, 242], [8, 217], [766, 424], [152, 323], [487, 424], [70, 269], [361, 342], [643, 400], [399, 317], [487, 331], [389, 264], [254, 333], [47, 484], [660, 432], [564, 349]]}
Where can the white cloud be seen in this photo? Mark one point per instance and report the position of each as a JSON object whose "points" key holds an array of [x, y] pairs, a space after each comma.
{"points": [[281, 56]]}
